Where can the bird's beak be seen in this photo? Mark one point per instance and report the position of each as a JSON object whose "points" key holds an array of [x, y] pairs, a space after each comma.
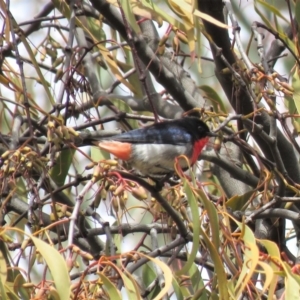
{"points": [[212, 134]]}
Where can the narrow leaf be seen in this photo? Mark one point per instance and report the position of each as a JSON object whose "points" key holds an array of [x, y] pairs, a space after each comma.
{"points": [[196, 225], [57, 266]]}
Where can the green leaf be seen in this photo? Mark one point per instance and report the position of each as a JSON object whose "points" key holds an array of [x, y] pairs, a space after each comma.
{"points": [[164, 13], [214, 98], [269, 275], [297, 15], [213, 218], [148, 276], [266, 20], [296, 87], [292, 283], [251, 258], [95, 28], [3, 269], [219, 268], [177, 290], [273, 251], [168, 276], [126, 6], [110, 288], [273, 9], [60, 171], [131, 287], [57, 266], [124, 107], [197, 282], [18, 287], [134, 78], [196, 225], [2, 288], [237, 202], [98, 154], [293, 102]]}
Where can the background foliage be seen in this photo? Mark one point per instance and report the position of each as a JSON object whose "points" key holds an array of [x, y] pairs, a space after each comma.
{"points": [[77, 224]]}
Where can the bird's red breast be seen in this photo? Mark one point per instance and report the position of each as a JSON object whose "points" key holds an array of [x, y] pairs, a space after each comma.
{"points": [[198, 146]]}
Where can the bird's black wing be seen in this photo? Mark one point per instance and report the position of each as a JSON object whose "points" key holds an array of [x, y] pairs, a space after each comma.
{"points": [[160, 133]]}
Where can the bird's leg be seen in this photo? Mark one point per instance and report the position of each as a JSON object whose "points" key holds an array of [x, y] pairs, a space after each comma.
{"points": [[159, 184], [160, 181]]}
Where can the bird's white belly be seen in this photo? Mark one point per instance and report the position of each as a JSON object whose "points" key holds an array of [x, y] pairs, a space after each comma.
{"points": [[158, 158]]}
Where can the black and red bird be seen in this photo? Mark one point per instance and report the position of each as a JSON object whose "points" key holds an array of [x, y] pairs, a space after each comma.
{"points": [[152, 150]]}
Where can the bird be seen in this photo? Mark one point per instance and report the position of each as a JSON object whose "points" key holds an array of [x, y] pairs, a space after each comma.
{"points": [[152, 150]]}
